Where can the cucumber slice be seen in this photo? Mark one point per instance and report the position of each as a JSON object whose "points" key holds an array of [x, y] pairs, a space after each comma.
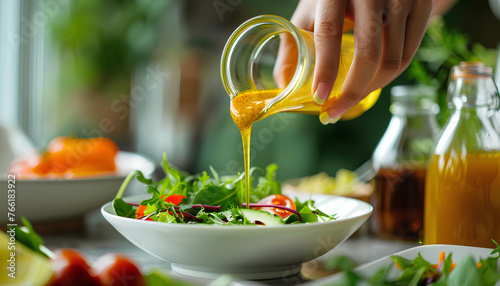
{"points": [[256, 217], [261, 217]]}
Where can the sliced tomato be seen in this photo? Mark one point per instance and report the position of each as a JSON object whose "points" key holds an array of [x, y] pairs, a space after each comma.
{"points": [[173, 199], [279, 200]]}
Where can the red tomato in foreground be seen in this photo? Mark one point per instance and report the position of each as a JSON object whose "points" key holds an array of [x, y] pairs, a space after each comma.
{"points": [[279, 200], [174, 199], [117, 270], [71, 268]]}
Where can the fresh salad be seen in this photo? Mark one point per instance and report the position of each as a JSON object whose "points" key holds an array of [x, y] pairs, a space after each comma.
{"points": [[204, 199], [419, 271]]}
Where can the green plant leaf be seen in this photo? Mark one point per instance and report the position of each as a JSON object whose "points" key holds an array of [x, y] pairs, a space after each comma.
{"points": [[26, 235], [465, 274], [123, 209]]}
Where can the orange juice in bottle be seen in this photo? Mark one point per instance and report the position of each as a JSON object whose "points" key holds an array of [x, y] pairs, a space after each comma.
{"points": [[247, 68], [462, 191]]}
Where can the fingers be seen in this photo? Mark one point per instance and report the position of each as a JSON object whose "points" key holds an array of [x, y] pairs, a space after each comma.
{"points": [[368, 35], [328, 30], [286, 62], [418, 19], [387, 37], [303, 17], [402, 36], [393, 43]]}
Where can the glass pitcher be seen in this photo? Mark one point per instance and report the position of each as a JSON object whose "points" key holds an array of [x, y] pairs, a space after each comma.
{"points": [[462, 196], [248, 64], [400, 161]]}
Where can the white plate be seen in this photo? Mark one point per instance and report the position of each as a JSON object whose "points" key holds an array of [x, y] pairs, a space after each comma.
{"points": [[57, 199], [428, 252], [245, 252]]}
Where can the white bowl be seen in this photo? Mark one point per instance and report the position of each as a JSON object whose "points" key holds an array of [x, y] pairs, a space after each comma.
{"points": [[246, 252], [56, 199]]}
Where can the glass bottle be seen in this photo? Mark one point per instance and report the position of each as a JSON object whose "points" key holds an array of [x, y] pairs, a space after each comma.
{"points": [[462, 196], [249, 58], [400, 161]]}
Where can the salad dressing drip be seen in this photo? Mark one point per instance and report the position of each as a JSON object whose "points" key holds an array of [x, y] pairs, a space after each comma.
{"points": [[245, 109]]}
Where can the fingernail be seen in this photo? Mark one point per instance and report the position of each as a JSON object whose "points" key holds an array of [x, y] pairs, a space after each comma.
{"points": [[330, 116], [322, 92]]}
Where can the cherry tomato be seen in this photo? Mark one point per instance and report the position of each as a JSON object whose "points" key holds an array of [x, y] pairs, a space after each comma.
{"points": [[174, 199], [279, 200], [71, 268], [117, 270]]}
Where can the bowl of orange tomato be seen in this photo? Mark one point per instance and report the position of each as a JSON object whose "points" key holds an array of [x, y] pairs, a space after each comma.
{"points": [[72, 177]]}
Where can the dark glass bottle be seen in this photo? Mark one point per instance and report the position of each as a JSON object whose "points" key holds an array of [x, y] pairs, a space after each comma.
{"points": [[400, 161]]}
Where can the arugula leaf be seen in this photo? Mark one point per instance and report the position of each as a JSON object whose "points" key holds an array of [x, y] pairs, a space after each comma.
{"points": [[402, 262], [140, 178], [496, 250], [215, 195], [28, 237], [319, 213], [299, 205], [413, 270], [347, 266], [488, 271], [307, 215], [123, 209], [380, 276], [120, 207], [446, 268], [466, 273], [267, 185], [203, 179], [216, 175], [417, 277]]}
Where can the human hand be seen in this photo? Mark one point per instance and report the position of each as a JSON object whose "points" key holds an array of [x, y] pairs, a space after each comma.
{"points": [[387, 34]]}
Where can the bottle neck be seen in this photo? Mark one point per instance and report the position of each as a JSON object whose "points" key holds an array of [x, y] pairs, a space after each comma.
{"points": [[473, 92], [409, 111]]}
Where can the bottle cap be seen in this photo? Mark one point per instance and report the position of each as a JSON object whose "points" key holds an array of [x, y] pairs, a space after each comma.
{"points": [[471, 69]]}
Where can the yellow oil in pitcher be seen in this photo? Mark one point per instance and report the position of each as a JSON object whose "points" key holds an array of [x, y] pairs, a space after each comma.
{"points": [[252, 100]]}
